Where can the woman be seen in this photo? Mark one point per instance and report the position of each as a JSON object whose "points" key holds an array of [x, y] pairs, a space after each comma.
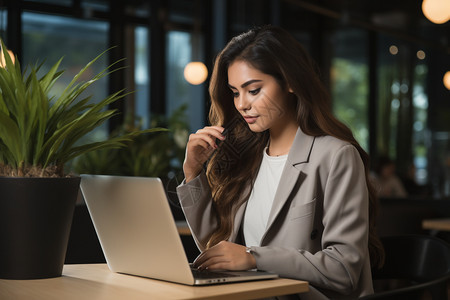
{"points": [[286, 185]]}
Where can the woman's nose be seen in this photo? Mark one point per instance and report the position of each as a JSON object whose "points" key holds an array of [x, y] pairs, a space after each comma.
{"points": [[243, 103]]}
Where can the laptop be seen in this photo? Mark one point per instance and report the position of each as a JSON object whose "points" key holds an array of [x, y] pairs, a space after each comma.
{"points": [[138, 234]]}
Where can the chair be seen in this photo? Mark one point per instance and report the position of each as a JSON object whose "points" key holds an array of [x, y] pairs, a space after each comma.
{"points": [[422, 261]]}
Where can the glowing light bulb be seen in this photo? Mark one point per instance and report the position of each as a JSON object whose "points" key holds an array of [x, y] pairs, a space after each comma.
{"points": [[195, 72], [446, 80], [421, 54], [393, 50], [437, 11]]}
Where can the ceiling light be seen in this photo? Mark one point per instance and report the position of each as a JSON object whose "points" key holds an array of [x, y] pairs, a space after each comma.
{"points": [[420, 54], [195, 72], [437, 11], [447, 80], [393, 50]]}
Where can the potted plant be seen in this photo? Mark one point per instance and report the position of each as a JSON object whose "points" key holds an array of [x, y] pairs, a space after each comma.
{"points": [[39, 134]]}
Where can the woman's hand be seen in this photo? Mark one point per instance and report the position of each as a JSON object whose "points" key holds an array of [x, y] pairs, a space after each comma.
{"points": [[199, 148], [225, 256]]}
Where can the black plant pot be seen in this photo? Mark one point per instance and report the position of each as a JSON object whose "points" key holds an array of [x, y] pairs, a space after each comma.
{"points": [[35, 219]]}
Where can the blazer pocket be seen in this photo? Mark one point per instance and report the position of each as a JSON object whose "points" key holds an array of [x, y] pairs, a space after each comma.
{"points": [[297, 213]]}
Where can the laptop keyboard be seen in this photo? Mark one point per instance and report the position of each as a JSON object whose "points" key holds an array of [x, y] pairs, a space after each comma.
{"points": [[205, 274]]}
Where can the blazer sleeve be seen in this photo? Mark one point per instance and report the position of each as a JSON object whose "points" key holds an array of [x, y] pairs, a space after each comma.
{"points": [[338, 265], [196, 203]]}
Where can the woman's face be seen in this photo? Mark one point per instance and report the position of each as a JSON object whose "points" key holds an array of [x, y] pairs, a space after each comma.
{"points": [[258, 97]]}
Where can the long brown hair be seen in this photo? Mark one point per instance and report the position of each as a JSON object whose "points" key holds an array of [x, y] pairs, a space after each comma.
{"points": [[233, 168]]}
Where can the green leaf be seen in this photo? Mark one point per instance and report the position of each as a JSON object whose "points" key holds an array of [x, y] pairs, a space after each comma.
{"points": [[37, 129], [10, 136]]}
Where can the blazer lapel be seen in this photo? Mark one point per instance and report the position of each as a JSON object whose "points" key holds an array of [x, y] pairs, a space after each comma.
{"points": [[299, 154]]}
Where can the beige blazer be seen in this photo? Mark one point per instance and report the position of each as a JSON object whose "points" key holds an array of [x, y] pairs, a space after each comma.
{"points": [[318, 225]]}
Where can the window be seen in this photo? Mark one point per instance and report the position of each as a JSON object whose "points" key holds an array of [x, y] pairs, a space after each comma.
{"points": [[47, 38], [349, 82], [179, 91], [403, 107], [420, 118], [141, 76], [3, 17]]}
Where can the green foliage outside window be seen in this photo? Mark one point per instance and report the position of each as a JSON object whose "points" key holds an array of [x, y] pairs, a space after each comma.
{"points": [[350, 97], [158, 154]]}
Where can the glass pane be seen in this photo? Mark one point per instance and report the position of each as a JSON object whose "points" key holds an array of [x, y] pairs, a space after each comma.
{"points": [[388, 96], [179, 91], [349, 82], [420, 132], [3, 20], [141, 72], [403, 133], [47, 38]]}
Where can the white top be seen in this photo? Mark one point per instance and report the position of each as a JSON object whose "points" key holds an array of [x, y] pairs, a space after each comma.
{"points": [[261, 198]]}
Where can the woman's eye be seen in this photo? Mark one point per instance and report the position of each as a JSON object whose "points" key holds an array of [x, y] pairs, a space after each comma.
{"points": [[235, 94], [255, 91]]}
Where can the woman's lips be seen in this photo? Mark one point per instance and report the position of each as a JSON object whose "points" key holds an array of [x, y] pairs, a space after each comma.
{"points": [[250, 119]]}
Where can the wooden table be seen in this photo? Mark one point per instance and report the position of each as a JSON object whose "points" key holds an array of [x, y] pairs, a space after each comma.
{"points": [[436, 224], [97, 282]]}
